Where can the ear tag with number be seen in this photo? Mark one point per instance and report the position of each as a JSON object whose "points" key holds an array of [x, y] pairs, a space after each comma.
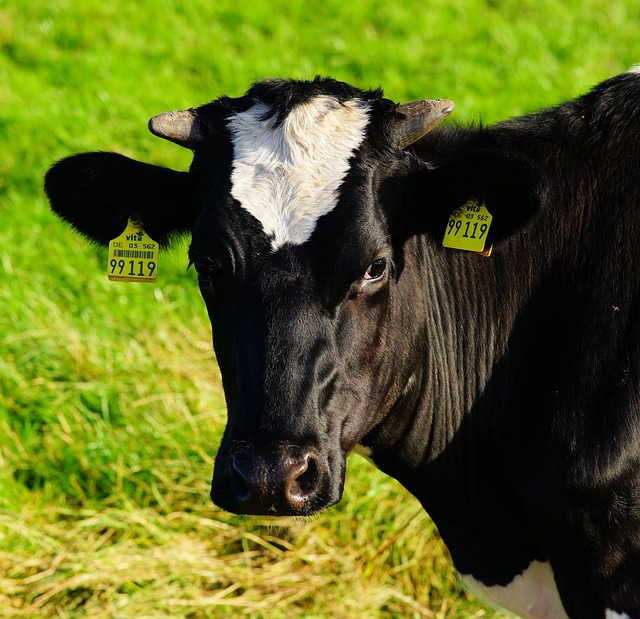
{"points": [[468, 227], [133, 256]]}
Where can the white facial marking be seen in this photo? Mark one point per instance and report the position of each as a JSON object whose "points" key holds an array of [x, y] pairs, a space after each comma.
{"points": [[532, 594], [288, 176], [614, 615]]}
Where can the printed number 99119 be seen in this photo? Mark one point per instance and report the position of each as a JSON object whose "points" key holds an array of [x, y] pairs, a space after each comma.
{"points": [[132, 268]]}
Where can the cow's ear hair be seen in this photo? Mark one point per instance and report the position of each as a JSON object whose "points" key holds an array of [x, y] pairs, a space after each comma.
{"points": [[511, 185], [97, 192]]}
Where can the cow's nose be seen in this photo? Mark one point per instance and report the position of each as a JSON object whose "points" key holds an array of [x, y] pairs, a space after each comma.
{"points": [[280, 482]]}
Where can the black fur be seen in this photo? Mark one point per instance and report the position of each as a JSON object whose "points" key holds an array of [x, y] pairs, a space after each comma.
{"points": [[97, 192]]}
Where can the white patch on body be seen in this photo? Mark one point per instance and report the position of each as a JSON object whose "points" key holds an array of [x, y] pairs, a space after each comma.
{"points": [[531, 595], [614, 615], [634, 69], [288, 176]]}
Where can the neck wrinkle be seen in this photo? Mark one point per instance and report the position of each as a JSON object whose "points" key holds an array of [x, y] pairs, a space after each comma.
{"points": [[468, 313]]}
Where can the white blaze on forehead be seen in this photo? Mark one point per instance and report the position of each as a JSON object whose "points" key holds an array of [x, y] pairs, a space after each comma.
{"points": [[287, 176]]}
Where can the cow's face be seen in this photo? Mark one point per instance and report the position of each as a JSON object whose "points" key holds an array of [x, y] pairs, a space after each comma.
{"points": [[301, 360], [297, 268], [300, 200]]}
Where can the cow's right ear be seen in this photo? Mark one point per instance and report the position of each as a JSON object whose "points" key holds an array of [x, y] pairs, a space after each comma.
{"points": [[97, 192]]}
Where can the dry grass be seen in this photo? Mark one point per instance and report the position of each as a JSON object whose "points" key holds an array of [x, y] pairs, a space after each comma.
{"points": [[131, 562]]}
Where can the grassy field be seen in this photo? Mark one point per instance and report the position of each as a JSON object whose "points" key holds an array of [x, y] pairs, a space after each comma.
{"points": [[110, 401]]}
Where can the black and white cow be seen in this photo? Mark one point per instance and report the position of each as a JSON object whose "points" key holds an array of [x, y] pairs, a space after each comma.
{"points": [[502, 391]]}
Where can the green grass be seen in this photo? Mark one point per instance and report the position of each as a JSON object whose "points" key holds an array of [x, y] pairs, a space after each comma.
{"points": [[110, 401]]}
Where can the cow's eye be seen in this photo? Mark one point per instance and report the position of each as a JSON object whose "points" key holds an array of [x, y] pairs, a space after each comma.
{"points": [[200, 268], [376, 270], [206, 268]]}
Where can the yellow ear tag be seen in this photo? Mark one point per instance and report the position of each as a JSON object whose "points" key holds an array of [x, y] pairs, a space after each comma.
{"points": [[133, 256], [468, 227]]}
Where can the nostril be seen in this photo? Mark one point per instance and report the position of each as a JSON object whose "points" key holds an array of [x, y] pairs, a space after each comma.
{"points": [[309, 478], [304, 483], [240, 478]]}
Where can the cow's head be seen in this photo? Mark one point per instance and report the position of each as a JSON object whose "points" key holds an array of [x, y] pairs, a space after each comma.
{"points": [[301, 200]]}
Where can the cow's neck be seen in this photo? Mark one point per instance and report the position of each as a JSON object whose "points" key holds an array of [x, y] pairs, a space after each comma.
{"points": [[471, 310], [441, 434]]}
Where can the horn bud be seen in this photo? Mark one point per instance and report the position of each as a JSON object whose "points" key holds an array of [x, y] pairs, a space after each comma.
{"points": [[181, 127], [420, 118]]}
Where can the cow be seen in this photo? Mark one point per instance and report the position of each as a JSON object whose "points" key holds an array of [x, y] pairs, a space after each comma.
{"points": [[500, 384]]}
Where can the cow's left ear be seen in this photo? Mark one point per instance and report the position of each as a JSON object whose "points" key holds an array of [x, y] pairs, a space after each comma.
{"points": [[97, 192], [511, 185]]}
